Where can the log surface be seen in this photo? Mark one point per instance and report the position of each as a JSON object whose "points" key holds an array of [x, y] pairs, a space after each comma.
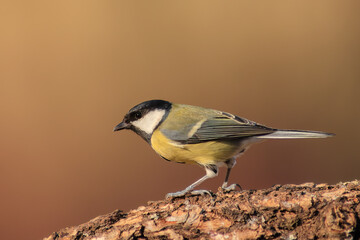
{"points": [[306, 211]]}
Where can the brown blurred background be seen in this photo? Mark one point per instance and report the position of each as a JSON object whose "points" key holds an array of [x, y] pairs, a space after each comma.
{"points": [[70, 70]]}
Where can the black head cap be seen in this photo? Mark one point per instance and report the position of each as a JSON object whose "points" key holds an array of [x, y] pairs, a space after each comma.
{"points": [[141, 109], [151, 105]]}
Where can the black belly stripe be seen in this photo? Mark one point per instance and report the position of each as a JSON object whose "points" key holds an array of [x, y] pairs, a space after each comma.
{"points": [[170, 160], [165, 158], [212, 168]]}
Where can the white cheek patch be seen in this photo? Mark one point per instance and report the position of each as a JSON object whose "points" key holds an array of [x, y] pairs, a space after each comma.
{"points": [[148, 122]]}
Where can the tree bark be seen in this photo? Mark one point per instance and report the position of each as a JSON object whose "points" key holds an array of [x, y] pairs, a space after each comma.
{"points": [[306, 211]]}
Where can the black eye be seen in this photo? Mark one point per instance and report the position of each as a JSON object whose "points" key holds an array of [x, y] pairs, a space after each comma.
{"points": [[137, 115]]}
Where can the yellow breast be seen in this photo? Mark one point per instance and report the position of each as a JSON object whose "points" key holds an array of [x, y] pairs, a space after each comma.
{"points": [[210, 152]]}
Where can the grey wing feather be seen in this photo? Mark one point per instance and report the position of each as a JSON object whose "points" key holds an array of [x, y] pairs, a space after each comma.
{"points": [[224, 126], [178, 135]]}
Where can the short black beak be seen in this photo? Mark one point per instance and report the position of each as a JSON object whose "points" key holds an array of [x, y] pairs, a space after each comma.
{"points": [[121, 126]]}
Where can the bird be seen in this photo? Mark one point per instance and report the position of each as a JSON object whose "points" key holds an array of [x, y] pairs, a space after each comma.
{"points": [[195, 135]]}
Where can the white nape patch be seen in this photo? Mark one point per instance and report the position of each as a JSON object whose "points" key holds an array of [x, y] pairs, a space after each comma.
{"points": [[148, 122]]}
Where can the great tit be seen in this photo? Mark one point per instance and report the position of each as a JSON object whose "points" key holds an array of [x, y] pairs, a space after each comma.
{"points": [[195, 135]]}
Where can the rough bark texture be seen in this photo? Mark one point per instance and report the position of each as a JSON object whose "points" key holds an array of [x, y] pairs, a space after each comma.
{"points": [[306, 211]]}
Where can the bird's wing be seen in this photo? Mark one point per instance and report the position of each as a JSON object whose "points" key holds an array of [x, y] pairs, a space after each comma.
{"points": [[220, 126]]}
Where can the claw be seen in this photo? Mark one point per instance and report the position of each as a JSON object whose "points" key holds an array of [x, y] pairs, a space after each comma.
{"points": [[201, 192], [184, 192], [176, 194], [230, 188]]}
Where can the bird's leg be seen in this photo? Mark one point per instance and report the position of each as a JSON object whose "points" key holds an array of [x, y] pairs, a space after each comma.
{"points": [[224, 185], [211, 171], [230, 164]]}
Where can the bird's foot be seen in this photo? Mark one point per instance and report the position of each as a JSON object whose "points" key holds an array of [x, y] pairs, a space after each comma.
{"points": [[184, 192], [176, 194], [201, 192], [230, 188]]}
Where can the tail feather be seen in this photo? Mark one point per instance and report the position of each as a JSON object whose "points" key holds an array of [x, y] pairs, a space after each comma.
{"points": [[289, 134]]}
